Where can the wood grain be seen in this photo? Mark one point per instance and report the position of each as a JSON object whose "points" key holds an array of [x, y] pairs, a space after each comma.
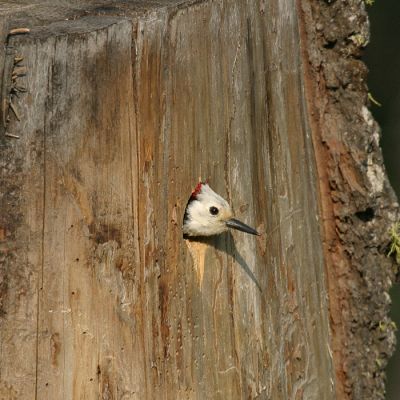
{"points": [[127, 105]]}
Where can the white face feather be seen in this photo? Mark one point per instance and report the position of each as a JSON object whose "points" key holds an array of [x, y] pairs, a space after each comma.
{"points": [[201, 216]]}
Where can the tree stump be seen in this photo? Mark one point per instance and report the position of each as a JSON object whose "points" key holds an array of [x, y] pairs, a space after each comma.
{"points": [[111, 111]]}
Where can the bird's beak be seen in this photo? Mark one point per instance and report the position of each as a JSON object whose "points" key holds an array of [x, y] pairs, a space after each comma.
{"points": [[240, 226]]}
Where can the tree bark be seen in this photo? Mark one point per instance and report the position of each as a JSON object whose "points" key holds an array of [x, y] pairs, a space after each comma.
{"points": [[110, 113], [358, 204]]}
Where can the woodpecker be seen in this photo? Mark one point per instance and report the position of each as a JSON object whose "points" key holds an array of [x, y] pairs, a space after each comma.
{"points": [[207, 214]]}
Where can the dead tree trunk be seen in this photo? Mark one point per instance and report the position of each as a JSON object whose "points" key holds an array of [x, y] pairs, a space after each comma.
{"points": [[110, 113]]}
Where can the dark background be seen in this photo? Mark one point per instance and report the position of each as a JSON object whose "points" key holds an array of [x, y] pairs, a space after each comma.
{"points": [[382, 57]]}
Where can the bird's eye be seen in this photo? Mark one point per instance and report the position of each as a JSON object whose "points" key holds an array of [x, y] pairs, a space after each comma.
{"points": [[214, 210]]}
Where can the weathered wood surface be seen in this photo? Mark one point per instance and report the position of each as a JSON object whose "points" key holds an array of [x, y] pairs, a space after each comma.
{"points": [[126, 106]]}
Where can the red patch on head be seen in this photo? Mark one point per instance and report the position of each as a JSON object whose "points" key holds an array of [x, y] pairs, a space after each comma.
{"points": [[196, 190]]}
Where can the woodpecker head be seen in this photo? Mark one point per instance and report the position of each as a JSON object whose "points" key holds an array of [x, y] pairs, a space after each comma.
{"points": [[208, 214]]}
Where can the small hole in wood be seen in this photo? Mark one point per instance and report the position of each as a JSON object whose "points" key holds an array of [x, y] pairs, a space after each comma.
{"points": [[367, 215], [330, 44]]}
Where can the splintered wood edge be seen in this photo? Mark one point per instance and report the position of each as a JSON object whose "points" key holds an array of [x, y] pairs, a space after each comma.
{"points": [[198, 252]]}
